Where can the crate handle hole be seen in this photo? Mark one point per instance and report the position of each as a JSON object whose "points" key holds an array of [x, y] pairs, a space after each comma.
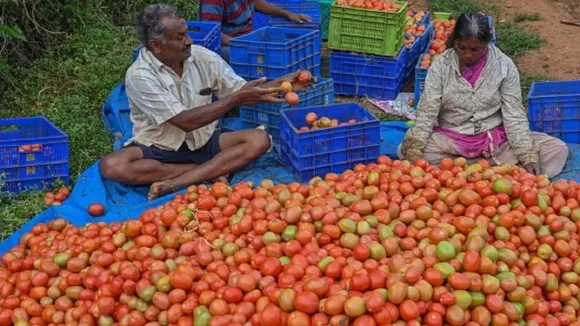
{"points": [[9, 128]]}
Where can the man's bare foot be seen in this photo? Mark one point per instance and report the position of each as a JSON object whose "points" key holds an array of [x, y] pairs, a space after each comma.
{"points": [[162, 188], [159, 189]]}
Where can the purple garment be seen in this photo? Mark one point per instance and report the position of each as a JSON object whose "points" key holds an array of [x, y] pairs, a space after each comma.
{"points": [[482, 144], [472, 73]]}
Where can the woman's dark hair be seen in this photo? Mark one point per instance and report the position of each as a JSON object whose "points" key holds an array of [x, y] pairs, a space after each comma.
{"points": [[471, 25]]}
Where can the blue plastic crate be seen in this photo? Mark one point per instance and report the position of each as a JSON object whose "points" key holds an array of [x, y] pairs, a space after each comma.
{"points": [[298, 7], [357, 74], [420, 76], [268, 114], [271, 130], [234, 124], [369, 90], [284, 23], [392, 134], [203, 33], [33, 154], [420, 73], [318, 152], [408, 75], [418, 90], [414, 53], [273, 52], [554, 108], [260, 20]]}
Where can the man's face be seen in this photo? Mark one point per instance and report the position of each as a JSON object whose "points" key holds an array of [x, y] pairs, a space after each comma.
{"points": [[177, 45]]}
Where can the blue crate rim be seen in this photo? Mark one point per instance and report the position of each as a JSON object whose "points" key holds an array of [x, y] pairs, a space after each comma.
{"points": [[243, 40], [553, 82], [283, 115], [38, 139], [368, 57]]}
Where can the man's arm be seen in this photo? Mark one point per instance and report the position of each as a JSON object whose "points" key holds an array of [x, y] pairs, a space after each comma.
{"points": [[226, 39], [160, 106], [196, 118], [270, 9]]}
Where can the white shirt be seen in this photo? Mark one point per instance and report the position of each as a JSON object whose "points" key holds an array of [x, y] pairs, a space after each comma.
{"points": [[157, 94]]}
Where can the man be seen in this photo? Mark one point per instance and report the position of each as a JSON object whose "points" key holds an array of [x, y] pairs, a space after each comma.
{"points": [[236, 17], [170, 86]]}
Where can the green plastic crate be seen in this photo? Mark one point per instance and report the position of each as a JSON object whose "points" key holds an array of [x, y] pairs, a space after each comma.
{"points": [[445, 16], [324, 7], [367, 31]]}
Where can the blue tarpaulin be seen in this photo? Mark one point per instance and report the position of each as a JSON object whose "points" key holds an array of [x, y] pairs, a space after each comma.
{"points": [[125, 202]]}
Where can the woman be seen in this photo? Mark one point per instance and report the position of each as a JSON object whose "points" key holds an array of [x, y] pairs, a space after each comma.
{"points": [[472, 107]]}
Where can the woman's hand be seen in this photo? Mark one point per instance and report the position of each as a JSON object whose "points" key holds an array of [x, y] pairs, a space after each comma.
{"points": [[533, 168], [412, 149]]}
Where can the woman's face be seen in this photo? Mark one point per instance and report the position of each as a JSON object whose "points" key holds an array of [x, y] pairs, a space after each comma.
{"points": [[469, 50]]}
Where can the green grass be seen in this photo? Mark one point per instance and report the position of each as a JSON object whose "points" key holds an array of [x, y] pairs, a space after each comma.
{"points": [[458, 7], [69, 87], [527, 18], [514, 40]]}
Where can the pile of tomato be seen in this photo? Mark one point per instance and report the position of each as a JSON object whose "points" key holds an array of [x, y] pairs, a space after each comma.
{"points": [[388, 243]]}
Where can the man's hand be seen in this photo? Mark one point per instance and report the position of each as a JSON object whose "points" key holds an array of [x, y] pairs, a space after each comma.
{"points": [[256, 91], [533, 168], [293, 79], [298, 18]]}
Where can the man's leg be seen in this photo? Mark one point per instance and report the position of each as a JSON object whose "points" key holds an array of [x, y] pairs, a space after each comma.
{"points": [[238, 149], [127, 166]]}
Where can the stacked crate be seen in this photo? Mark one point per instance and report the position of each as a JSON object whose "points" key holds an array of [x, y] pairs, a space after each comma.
{"points": [[274, 52], [308, 7], [415, 49], [376, 38]]}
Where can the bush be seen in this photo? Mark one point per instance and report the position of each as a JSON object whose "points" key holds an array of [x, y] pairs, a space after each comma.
{"points": [[46, 23]]}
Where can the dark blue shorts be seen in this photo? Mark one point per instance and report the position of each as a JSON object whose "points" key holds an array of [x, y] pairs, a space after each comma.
{"points": [[184, 154]]}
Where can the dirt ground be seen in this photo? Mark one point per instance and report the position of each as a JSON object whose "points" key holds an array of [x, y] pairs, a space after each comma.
{"points": [[559, 58]]}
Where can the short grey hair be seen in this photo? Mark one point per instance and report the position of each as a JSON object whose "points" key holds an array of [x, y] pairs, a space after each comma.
{"points": [[150, 22]]}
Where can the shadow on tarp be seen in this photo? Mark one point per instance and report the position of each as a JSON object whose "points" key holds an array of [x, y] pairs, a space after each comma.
{"points": [[124, 202]]}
